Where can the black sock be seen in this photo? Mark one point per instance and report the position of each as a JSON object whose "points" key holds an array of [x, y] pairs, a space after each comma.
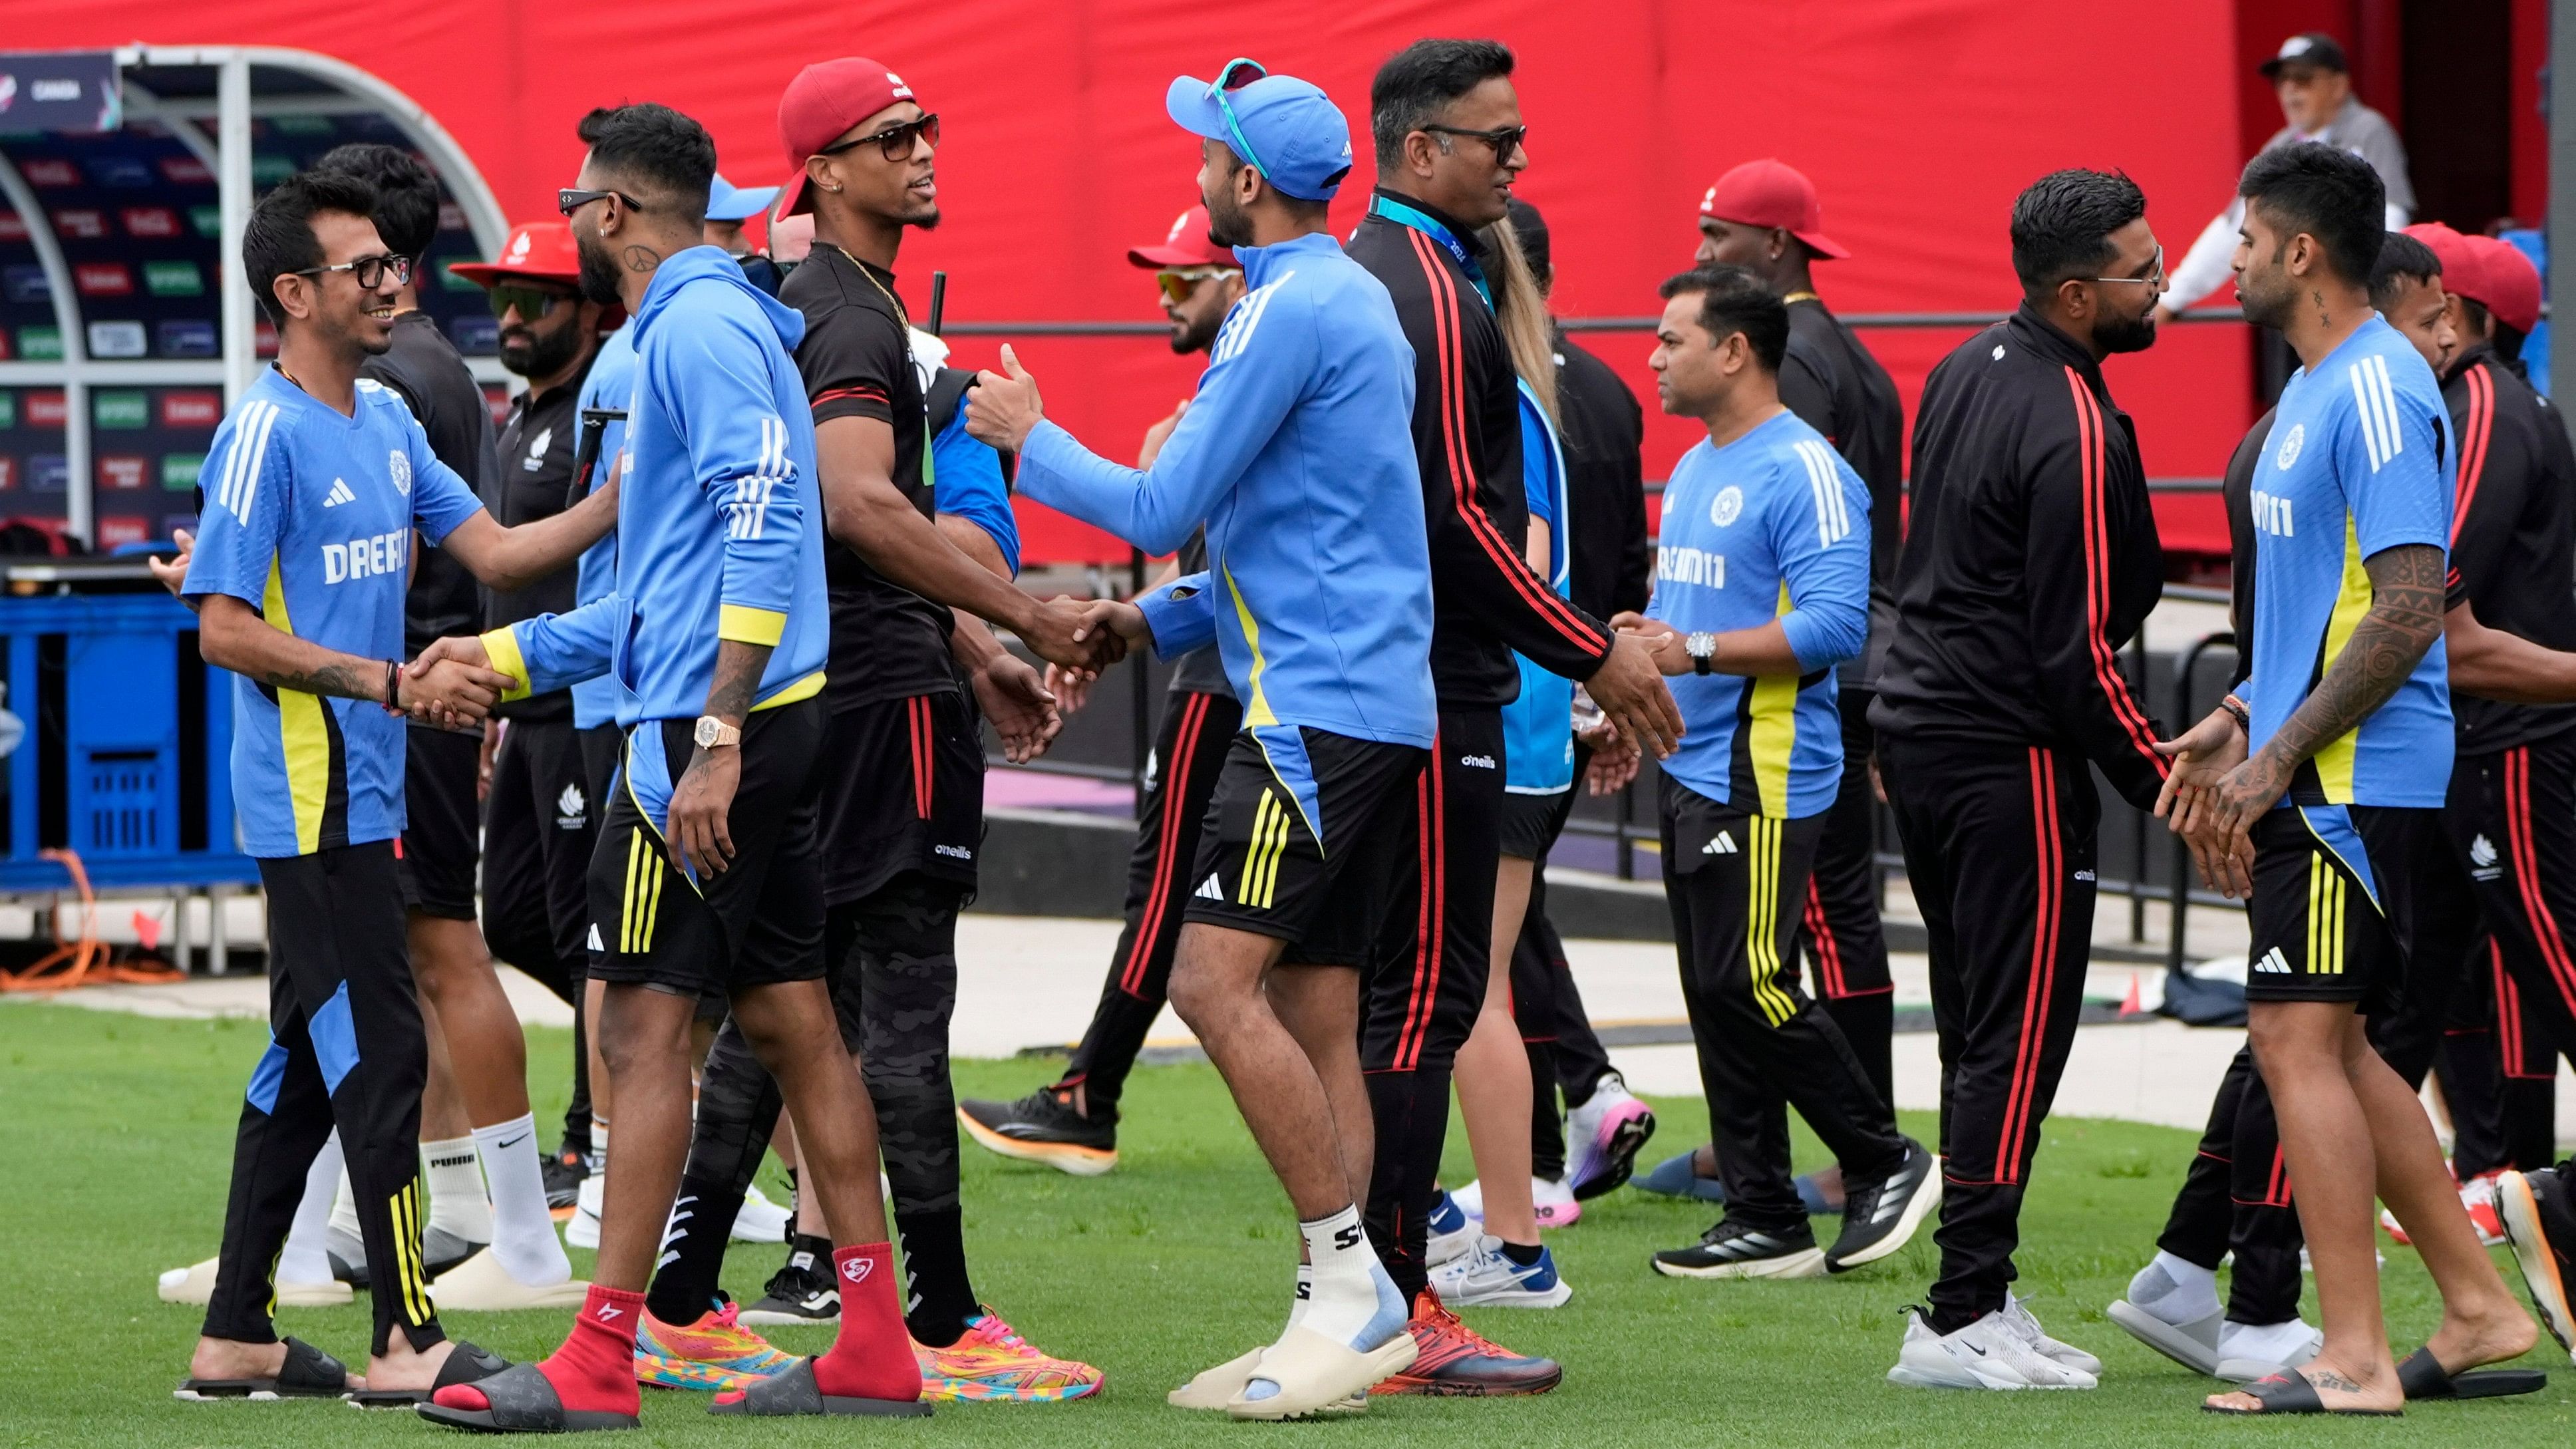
{"points": [[687, 1282], [934, 1261], [1522, 1256]]}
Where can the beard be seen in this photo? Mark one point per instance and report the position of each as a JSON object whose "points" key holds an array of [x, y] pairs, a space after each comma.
{"points": [[599, 278], [2125, 334], [531, 353], [1195, 334], [1227, 225]]}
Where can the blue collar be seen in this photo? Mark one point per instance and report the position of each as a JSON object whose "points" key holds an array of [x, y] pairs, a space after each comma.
{"points": [[1403, 215]]}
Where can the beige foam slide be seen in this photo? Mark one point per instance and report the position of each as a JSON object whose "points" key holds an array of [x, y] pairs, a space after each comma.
{"points": [[1315, 1375]]}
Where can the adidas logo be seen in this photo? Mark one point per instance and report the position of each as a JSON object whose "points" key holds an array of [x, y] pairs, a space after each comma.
{"points": [[595, 943], [1724, 844], [339, 494], [1208, 890], [2274, 963]]}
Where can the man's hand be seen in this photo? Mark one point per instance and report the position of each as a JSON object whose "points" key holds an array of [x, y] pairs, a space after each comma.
{"points": [[1071, 688], [2203, 756], [1614, 760], [1662, 638], [2221, 832], [1629, 687], [1159, 434], [1002, 407], [452, 685], [1061, 631], [1023, 712], [173, 573], [701, 842]]}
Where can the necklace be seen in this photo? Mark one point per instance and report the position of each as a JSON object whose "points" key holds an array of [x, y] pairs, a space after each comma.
{"points": [[1796, 297], [900, 315]]}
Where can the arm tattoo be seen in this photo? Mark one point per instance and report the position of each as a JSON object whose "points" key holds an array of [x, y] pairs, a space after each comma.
{"points": [[738, 670], [2405, 618], [342, 680]]}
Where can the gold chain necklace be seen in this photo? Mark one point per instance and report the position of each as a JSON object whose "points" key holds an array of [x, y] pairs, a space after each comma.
{"points": [[900, 315], [1795, 297]]}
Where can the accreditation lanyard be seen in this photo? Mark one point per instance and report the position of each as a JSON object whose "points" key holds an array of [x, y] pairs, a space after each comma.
{"points": [[1403, 215]]}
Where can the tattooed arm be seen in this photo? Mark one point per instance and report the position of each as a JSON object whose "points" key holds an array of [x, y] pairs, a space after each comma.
{"points": [[703, 799], [233, 636], [2405, 618]]}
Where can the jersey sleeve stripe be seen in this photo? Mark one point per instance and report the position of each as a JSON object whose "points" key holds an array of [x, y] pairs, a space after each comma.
{"points": [[2091, 446], [2365, 405], [2388, 406], [249, 446], [1453, 426], [2473, 443]]}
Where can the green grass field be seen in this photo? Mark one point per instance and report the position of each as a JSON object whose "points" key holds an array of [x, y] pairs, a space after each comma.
{"points": [[117, 1132]]}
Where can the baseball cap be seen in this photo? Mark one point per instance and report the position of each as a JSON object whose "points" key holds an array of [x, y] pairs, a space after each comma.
{"points": [[1187, 246], [2512, 283], [535, 249], [1769, 193], [2464, 269], [728, 202], [826, 99], [2313, 47], [1298, 139]]}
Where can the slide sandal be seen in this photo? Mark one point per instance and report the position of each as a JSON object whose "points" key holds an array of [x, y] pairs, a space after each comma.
{"points": [[2289, 1392], [794, 1392], [1215, 1388], [521, 1400], [465, 1364], [2422, 1377], [1315, 1375], [308, 1373], [2193, 1345]]}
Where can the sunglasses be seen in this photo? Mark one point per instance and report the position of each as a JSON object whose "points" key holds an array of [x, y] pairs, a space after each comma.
{"points": [[895, 142], [1504, 139], [1248, 70], [531, 303], [1178, 285], [369, 272], [571, 199]]}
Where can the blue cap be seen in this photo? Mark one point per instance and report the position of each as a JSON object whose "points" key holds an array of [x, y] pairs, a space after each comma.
{"points": [[1297, 137], [728, 202]]}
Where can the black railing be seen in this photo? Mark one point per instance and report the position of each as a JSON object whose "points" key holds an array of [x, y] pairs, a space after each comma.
{"points": [[1892, 321]]}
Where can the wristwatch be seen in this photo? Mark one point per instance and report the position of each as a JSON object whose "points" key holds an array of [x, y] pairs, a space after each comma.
{"points": [[715, 734], [1702, 649]]}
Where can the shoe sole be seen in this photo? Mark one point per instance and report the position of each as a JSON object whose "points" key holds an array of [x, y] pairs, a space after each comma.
{"points": [[1917, 1208], [1067, 1157], [2521, 1214], [2165, 1338], [1626, 1141], [1913, 1378], [1553, 1298], [1809, 1263]]}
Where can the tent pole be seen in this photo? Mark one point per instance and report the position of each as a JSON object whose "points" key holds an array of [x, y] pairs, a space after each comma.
{"points": [[232, 181]]}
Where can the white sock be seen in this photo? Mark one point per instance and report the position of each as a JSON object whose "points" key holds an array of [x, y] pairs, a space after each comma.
{"points": [[523, 1230], [307, 1256], [1305, 1294], [2265, 1342], [598, 1144], [1349, 1297], [344, 1207], [456, 1190], [2175, 1290]]}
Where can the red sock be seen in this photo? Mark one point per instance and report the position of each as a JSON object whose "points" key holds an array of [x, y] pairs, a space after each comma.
{"points": [[872, 1356], [595, 1368]]}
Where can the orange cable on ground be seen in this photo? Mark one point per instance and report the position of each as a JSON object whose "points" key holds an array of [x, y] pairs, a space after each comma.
{"points": [[84, 962]]}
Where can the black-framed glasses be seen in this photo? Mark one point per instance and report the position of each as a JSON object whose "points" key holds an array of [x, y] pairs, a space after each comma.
{"points": [[895, 142], [570, 199], [2155, 276], [531, 303], [1239, 72], [369, 272], [1504, 139]]}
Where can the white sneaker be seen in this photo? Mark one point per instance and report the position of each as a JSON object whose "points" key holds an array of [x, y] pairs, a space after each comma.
{"points": [[1987, 1354], [195, 1285], [1555, 1203], [581, 1230], [761, 1221], [481, 1285], [2017, 1317], [2251, 1351], [1486, 1278]]}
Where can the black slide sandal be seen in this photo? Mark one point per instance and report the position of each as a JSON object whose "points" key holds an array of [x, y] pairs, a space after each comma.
{"points": [[465, 1364], [308, 1373], [523, 1401], [2421, 1376], [794, 1392], [2289, 1392]]}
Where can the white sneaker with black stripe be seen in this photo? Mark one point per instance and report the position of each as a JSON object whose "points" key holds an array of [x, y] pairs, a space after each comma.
{"points": [[1987, 1354], [1731, 1250]]}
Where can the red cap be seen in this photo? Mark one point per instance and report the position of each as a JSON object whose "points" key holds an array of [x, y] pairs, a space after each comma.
{"points": [[2512, 282], [2464, 270], [535, 249], [1188, 246], [1768, 193], [825, 100]]}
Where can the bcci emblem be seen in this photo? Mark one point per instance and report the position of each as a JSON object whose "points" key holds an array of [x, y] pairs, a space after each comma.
{"points": [[400, 467], [2289, 451], [1727, 506]]}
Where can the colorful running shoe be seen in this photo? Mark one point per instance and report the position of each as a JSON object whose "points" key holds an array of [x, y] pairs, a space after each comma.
{"points": [[714, 1353], [994, 1362], [1457, 1361], [1604, 1135], [2540, 1218], [1044, 1127], [2477, 1199]]}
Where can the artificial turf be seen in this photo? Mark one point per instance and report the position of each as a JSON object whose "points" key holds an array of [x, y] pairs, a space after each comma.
{"points": [[117, 1133]]}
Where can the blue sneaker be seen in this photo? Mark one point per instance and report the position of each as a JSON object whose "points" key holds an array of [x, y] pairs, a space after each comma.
{"points": [[1488, 1278], [1449, 1233], [1676, 1177]]}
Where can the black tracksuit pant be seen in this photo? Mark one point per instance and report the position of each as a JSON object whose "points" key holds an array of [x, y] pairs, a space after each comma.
{"points": [[1734, 882], [1188, 755], [346, 1049], [2499, 1071], [540, 825], [1999, 847], [1845, 943], [1565, 1054]]}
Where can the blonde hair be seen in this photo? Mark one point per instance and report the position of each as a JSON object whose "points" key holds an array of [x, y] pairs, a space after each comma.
{"points": [[1520, 309]]}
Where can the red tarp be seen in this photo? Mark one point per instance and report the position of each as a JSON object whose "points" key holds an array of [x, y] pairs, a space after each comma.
{"points": [[1918, 120]]}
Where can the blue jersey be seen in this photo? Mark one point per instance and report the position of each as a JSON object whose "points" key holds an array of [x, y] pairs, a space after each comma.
{"points": [[308, 518], [1298, 454], [1538, 727], [2359, 460], [966, 480], [1773, 525], [611, 384]]}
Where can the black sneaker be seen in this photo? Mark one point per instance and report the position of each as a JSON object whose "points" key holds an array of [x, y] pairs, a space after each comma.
{"points": [[2539, 1213], [1879, 1217], [1044, 1127], [801, 1292], [1732, 1250], [564, 1174]]}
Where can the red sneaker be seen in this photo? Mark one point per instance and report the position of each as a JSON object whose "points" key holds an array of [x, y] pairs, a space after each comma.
{"points": [[1457, 1361]]}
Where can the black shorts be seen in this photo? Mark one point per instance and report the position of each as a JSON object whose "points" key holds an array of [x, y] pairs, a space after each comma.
{"points": [[2334, 908], [1531, 823], [1262, 865], [440, 821], [540, 819], [758, 923], [903, 789]]}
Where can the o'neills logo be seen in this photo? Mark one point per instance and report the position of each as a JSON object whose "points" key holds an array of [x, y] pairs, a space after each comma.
{"points": [[1477, 762]]}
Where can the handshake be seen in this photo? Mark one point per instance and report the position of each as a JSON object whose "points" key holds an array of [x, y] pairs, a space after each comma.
{"points": [[451, 686]]}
